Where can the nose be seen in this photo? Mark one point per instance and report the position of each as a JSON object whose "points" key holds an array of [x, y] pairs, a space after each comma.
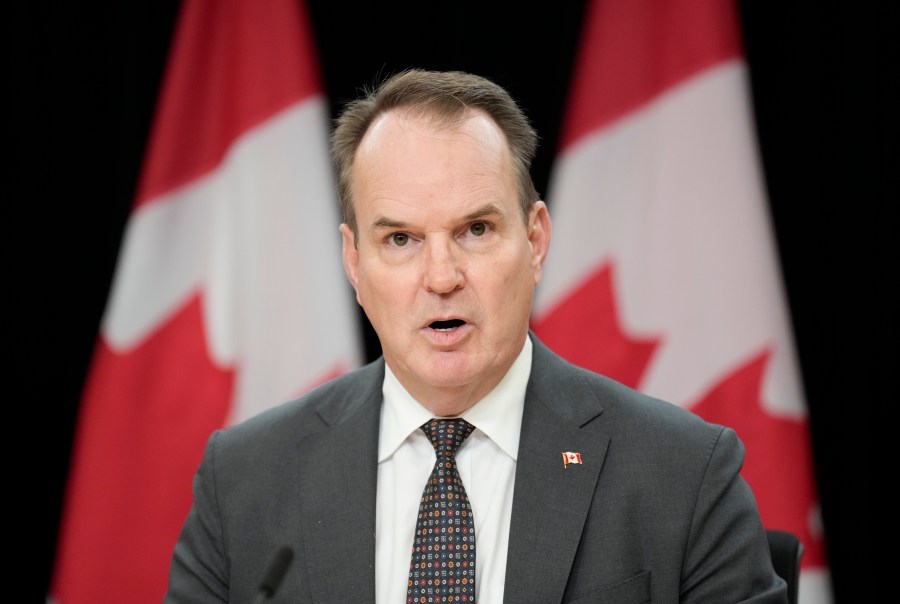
{"points": [[443, 272]]}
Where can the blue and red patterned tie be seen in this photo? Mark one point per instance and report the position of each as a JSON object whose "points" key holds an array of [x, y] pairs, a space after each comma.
{"points": [[442, 568]]}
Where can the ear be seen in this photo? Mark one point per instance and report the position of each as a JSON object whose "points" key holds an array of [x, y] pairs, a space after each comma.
{"points": [[350, 256], [539, 229]]}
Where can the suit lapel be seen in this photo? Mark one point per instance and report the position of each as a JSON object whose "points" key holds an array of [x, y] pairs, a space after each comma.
{"points": [[338, 475], [551, 499], [339, 467]]}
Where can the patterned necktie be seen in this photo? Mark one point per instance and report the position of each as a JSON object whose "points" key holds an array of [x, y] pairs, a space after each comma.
{"points": [[442, 568]]}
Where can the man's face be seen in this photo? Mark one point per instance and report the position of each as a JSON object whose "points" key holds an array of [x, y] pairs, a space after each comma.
{"points": [[445, 266]]}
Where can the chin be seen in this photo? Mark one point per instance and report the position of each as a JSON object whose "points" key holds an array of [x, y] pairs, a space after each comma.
{"points": [[448, 375]]}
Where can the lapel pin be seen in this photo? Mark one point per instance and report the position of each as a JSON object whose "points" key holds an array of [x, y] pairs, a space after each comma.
{"points": [[569, 457]]}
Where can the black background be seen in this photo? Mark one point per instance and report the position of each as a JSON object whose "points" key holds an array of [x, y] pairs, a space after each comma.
{"points": [[83, 82]]}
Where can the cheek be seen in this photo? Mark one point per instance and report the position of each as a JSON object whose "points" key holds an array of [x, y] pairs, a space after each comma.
{"points": [[383, 291], [510, 285], [518, 271]]}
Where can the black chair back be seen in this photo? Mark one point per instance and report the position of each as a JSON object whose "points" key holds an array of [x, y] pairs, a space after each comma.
{"points": [[786, 550]]}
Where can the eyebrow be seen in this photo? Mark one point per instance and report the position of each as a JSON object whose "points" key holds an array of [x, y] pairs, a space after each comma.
{"points": [[389, 223], [488, 210]]}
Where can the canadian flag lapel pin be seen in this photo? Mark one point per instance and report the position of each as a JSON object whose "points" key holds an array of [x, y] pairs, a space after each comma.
{"points": [[569, 457]]}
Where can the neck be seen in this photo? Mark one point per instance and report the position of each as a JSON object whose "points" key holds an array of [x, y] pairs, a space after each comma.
{"points": [[450, 399], [450, 402]]}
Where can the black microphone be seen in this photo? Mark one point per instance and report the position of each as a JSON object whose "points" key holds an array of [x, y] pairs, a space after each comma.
{"points": [[277, 570]]}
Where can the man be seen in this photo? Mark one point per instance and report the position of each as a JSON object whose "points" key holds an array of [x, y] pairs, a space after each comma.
{"points": [[579, 489]]}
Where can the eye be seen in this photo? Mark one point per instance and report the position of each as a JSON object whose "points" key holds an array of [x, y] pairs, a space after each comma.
{"points": [[398, 239], [478, 228]]}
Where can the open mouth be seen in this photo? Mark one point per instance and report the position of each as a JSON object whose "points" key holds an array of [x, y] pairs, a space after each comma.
{"points": [[446, 325]]}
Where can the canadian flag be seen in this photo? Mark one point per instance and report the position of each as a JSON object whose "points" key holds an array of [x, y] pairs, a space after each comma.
{"points": [[569, 457], [663, 271], [228, 297]]}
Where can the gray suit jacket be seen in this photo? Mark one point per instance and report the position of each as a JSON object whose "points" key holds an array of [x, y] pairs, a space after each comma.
{"points": [[657, 511]]}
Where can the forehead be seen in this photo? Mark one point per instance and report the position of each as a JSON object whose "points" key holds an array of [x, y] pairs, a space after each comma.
{"points": [[410, 123], [410, 164]]}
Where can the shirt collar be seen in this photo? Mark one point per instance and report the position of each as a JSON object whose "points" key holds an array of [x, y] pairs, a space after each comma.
{"points": [[498, 415]]}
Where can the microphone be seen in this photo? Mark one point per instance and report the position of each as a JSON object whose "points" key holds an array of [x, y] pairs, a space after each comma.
{"points": [[277, 570]]}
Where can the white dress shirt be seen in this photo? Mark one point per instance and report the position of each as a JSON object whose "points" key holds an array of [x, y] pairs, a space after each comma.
{"points": [[487, 467]]}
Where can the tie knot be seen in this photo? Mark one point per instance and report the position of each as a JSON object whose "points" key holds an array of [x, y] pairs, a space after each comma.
{"points": [[446, 435]]}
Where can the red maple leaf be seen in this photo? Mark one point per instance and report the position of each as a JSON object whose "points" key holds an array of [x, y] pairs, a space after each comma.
{"points": [[778, 466], [145, 417], [586, 316], [585, 329]]}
